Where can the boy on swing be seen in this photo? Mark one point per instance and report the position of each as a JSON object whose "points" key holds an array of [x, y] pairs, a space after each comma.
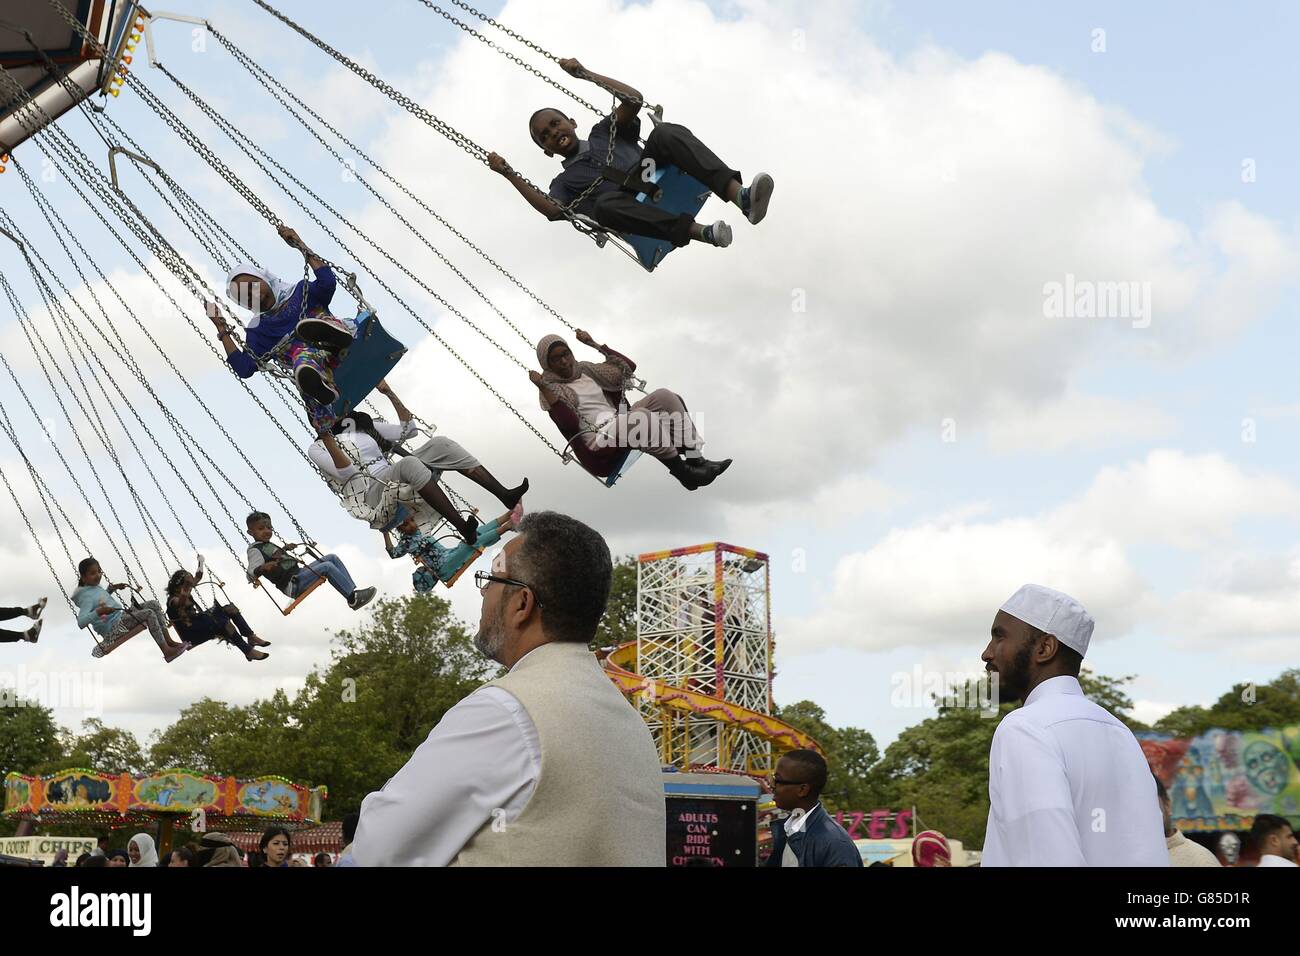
{"points": [[607, 193], [290, 575]]}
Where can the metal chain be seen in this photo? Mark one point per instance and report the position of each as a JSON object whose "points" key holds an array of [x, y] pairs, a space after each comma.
{"points": [[321, 121], [242, 58], [127, 358], [506, 53], [160, 248], [550, 56], [387, 288], [55, 308], [86, 351], [12, 433], [58, 583]]}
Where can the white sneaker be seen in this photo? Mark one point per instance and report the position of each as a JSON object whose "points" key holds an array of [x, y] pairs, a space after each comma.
{"points": [[721, 234], [760, 194], [34, 632], [36, 609]]}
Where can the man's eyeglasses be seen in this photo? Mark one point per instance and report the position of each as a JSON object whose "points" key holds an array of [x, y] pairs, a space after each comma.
{"points": [[483, 578]]}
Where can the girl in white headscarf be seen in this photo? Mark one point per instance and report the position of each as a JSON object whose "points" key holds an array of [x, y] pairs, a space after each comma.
{"points": [[142, 851], [291, 324]]}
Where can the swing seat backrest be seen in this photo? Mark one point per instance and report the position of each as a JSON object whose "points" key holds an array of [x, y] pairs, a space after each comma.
{"points": [[676, 193], [373, 354]]}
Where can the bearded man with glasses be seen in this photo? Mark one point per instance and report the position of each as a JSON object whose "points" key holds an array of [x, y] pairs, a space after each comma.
{"points": [[547, 766]]}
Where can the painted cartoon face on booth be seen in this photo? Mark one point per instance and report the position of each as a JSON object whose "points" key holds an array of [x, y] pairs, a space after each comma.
{"points": [[1267, 768]]}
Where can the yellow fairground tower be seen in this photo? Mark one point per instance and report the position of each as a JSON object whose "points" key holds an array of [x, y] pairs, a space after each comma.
{"points": [[701, 668]]}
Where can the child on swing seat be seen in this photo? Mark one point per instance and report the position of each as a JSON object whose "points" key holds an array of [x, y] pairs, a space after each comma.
{"points": [[290, 575], [97, 608], [607, 193], [295, 314], [221, 621], [440, 563]]}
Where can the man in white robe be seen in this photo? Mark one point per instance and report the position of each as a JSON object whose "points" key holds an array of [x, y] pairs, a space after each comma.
{"points": [[1068, 782]]}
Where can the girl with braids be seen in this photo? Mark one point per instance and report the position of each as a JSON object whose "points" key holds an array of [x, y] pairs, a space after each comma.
{"points": [[97, 608], [197, 626], [365, 461]]}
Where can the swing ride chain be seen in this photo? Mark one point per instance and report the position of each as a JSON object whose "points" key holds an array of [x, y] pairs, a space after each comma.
{"points": [[173, 259], [129, 361], [506, 53], [24, 321], [58, 583], [550, 56], [464, 142], [208, 109], [56, 310], [8, 426], [321, 121], [241, 57], [85, 350], [186, 439]]}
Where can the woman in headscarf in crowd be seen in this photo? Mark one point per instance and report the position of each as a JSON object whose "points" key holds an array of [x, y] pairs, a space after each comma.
{"points": [[275, 846], [356, 452], [142, 851], [930, 848], [291, 325], [217, 849], [587, 401]]}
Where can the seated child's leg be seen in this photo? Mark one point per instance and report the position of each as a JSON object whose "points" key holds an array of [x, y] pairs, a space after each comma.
{"points": [[424, 580], [331, 568], [621, 212], [233, 637], [675, 144]]}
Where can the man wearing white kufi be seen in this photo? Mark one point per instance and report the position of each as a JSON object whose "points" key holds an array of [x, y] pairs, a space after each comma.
{"points": [[1068, 783]]}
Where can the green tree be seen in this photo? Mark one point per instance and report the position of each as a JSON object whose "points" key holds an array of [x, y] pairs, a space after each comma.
{"points": [[29, 737], [100, 747], [1245, 707], [618, 626]]}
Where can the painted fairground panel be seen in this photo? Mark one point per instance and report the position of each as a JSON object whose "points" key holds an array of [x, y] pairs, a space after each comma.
{"points": [[78, 790], [18, 793], [176, 791], [1223, 778], [276, 797]]}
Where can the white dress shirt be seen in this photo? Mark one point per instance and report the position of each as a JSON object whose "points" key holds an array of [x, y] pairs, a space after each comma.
{"points": [[479, 764], [367, 451], [1272, 859], [1069, 786]]}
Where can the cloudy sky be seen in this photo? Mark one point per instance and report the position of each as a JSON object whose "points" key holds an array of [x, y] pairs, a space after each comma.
{"points": [[923, 409]]}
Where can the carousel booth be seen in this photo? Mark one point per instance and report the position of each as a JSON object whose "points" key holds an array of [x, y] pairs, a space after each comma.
{"points": [[161, 802]]}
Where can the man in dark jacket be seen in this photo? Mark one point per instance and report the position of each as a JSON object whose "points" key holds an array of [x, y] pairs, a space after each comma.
{"points": [[808, 836]]}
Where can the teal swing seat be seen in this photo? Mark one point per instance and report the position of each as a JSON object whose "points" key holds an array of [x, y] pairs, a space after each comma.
{"points": [[373, 354]]}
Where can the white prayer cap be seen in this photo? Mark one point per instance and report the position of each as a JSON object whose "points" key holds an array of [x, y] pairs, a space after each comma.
{"points": [[1053, 613]]}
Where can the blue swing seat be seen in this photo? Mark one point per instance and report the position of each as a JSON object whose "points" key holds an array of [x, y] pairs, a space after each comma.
{"points": [[372, 355], [678, 194], [621, 469]]}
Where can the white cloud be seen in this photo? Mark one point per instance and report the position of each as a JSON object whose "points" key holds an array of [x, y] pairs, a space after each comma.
{"points": [[938, 583]]}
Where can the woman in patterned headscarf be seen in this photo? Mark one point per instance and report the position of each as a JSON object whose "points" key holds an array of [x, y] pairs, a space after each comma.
{"points": [[586, 400]]}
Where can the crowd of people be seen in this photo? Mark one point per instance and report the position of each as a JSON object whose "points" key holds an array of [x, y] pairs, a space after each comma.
{"points": [[275, 849]]}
